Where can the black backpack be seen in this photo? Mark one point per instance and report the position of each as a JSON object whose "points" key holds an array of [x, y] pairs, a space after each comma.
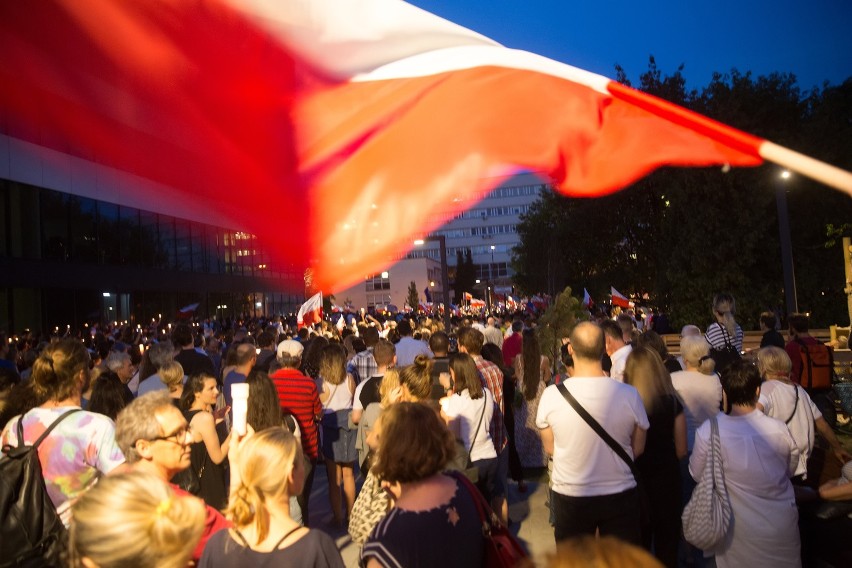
{"points": [[727, 354], [33, 533]]}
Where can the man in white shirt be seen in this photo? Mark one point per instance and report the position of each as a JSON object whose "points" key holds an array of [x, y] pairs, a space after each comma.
{"points": [[408, 348], [593, 488], [616, 348]]}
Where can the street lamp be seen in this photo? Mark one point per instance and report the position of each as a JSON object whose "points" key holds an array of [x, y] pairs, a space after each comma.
{"points": [[786, 244], [445, 278]]}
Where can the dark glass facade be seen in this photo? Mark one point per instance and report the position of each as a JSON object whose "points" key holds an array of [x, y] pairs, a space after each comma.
{"points": [[68, 260]]}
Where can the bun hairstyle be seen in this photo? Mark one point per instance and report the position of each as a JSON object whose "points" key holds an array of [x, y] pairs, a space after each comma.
{"points": [[266, 461], [56, 372], [417, 377], [696, 351], [165, 528]]}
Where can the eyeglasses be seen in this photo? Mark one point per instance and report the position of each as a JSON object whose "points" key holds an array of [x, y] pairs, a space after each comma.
{"points": [[178, 437]]}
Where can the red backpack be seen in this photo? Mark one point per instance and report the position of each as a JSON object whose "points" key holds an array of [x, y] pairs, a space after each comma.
{"points": [[817, 365]]}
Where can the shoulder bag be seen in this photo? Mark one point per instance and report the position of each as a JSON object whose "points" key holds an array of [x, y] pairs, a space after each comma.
{"points": [[644, 505], [707, 516], [502, 548]]}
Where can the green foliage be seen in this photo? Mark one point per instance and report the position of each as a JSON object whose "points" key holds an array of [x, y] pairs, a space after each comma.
{"points": [[413, 298], [557, 322], [465, 274], [682, 235]]}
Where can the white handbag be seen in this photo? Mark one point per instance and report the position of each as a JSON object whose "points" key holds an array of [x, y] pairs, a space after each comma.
{"points": [[708, 514]]}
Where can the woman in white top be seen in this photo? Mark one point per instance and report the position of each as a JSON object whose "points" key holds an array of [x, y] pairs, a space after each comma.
{"points": [[468, 413], [758, 457], [698, 386], [338, 440], [788, 402]]}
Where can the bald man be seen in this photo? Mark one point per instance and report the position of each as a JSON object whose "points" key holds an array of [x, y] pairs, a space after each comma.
{"points": [[593, 488]]}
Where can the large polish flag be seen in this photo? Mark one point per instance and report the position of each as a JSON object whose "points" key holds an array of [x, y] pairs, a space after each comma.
{"points": [[310, 312], [333, 130], [619, 299]]}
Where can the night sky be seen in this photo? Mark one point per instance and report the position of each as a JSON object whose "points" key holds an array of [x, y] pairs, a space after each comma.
{"points": [[812, 40]]}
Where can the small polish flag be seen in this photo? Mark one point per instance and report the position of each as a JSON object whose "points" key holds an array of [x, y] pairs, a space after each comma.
{"points": [[311, 311], [618, 299], [587, 300]]}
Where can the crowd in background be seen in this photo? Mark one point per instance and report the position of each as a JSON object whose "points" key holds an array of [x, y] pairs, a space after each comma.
{"points": [[396, 410]]}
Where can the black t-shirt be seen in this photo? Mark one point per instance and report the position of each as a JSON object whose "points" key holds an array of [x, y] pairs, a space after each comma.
{"points": [[194, 363], [439, 365], [370, 392], [659, 445]]}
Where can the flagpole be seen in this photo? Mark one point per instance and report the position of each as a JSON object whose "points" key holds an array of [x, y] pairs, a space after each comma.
{"points": [[822, 172], [805, 165]]}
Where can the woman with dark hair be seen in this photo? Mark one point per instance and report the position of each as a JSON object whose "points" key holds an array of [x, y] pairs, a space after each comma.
{"points": [[210, 437], [665, 446], [468, 413], [414, 446], [311, 356], [109, 395], [82, 446], [532, 372], [652, 340], [758, 457]]}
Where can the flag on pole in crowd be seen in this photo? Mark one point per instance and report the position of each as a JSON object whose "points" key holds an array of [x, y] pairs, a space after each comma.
{"points": [[329, 108], [618, 299], [427, 293], [310, 312], [341, 322], [187, 311], [468, 296], [587, 299]]}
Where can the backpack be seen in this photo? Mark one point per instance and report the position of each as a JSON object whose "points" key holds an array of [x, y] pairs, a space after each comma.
{"points": [[725, 355], [817, 365], [33, 533]]}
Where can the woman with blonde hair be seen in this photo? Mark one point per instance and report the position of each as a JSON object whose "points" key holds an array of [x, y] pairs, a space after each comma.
{"points": [[338, 439], [532, 370], [210, 438], [165, 526], [416, 379], [784, 400], [171, 373], [697, 385], [268, 469], [665, 446]]}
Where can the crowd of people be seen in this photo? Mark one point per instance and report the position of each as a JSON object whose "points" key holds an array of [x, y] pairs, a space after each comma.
{"points": [[397, 413]]}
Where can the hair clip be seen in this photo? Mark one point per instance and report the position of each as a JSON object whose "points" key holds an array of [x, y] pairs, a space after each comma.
{"points": [[163, 507]]}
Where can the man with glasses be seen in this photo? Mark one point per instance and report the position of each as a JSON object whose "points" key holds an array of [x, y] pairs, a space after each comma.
{"points": [[155, 437]]}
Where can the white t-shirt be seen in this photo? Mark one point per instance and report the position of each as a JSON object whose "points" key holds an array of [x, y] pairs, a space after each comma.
{"points": [[778, 400], [467, 411], [583, 464], [701, 396], [619, 361]]}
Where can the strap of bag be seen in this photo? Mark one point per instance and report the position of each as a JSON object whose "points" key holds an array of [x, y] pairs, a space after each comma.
{"points": [[726, 336], [478, 426], [50, 428], [795, 405], [616, 447]]}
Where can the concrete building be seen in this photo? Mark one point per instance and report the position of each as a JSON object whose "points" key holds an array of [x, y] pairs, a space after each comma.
{"points": [[390, 287]]}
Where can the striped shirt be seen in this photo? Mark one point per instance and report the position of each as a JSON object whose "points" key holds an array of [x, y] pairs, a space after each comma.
{"points": [[492, 379], [717, 334], [298, 396]]}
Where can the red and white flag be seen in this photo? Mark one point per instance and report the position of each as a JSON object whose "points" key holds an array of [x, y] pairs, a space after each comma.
{"points": [[310, 312], [327, 113], [587, 299], [618, 299]]}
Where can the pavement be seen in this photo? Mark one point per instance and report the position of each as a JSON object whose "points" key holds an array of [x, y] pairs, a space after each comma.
{"points": [[528, 512]]}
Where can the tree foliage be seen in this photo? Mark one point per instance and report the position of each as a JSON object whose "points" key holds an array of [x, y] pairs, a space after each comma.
{"points": [[557, 322], [413, 298], [465, 274], [682, 235]]}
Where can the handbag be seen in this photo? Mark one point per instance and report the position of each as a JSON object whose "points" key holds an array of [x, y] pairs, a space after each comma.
{"points": [[502, 548], [707, 516], [644, 505], [370, 507], [461, 464], [725, 355]]}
